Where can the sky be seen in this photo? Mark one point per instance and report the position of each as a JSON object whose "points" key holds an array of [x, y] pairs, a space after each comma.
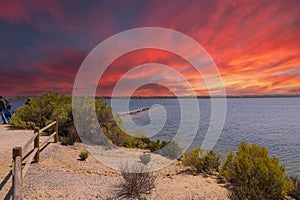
{"points": [[254, 44]]}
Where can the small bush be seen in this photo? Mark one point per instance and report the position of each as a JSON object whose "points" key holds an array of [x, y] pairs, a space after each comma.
{"points": [[171, 150], [254, 174], [295, 191], [139, 143], [72, 135], [84, 155], [155, 145], [145, 158], [137, 180], [201, 162], [211, 162], [142, 198], [18, 123], [64, 141], [146, 143]]}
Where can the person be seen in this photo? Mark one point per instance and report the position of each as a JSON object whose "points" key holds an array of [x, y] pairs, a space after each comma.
{"points": [[2, 110], [8, 110], [27, 102]]}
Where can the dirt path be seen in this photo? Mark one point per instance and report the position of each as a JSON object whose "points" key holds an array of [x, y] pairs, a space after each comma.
{"points": [[61, 175], [9, 139]]}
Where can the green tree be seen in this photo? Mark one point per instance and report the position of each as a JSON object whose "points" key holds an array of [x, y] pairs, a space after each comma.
{"points": [[254, 174]]}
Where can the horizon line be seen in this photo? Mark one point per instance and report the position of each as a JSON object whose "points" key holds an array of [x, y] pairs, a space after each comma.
{"points": [[174, 97]]}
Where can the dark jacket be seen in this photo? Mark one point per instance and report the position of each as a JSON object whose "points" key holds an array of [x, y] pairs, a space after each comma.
{"points": [[2, 105]]}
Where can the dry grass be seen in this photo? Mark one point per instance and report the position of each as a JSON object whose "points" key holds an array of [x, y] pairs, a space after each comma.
{"points": [[137, 180]]}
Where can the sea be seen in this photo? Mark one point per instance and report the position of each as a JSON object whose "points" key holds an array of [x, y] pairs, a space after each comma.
{"points": [[270, 122]]}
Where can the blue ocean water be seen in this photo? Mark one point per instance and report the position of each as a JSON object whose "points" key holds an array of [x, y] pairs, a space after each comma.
{"points": [[17, 104], [270, 122]]}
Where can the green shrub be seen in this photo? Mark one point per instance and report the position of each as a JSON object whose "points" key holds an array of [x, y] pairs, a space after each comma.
{"points": [[295, 191], [145, 158], [211, 162], [84, 155], [254, 174], [139, 143], [155, 145], [18, 123], [200, 161], [146, 143], [65, 140], [72, 135], [193, 160], [43, 110], [171, 150], [89, 126], [143, 142]]}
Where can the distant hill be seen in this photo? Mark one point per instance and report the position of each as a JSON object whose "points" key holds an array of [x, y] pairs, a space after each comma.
{"points": [[203, 97], [174, 97]]}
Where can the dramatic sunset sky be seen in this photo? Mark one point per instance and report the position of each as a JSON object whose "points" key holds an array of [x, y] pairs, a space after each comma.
{"points": [[254, 44]]}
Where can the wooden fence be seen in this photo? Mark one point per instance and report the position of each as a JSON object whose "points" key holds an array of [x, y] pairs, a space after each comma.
{"points": [[18, 171]]}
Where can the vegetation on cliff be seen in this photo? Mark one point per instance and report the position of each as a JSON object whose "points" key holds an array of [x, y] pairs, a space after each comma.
{"points": [[40, 111]]}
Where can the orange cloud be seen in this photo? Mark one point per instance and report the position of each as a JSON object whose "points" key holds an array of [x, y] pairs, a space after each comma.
{"points": [[255, 44]]}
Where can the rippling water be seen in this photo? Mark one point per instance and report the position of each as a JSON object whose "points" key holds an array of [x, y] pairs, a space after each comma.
{"points": [[270, 122], [17, 104]]}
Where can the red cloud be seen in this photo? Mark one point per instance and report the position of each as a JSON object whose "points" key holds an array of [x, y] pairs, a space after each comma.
{"points": [[18, 11], [255, 45]]}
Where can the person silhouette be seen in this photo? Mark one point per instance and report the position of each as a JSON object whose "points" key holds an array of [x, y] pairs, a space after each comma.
{"points": [[3, 109], [8, 114]]}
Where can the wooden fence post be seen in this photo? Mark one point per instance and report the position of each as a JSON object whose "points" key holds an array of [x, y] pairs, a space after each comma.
{"points": [[37, 145], [17, 183], [56, 130]]}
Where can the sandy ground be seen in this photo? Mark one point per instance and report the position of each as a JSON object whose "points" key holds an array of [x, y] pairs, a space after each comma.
{"points": [[8, 140], [61, 175]]}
